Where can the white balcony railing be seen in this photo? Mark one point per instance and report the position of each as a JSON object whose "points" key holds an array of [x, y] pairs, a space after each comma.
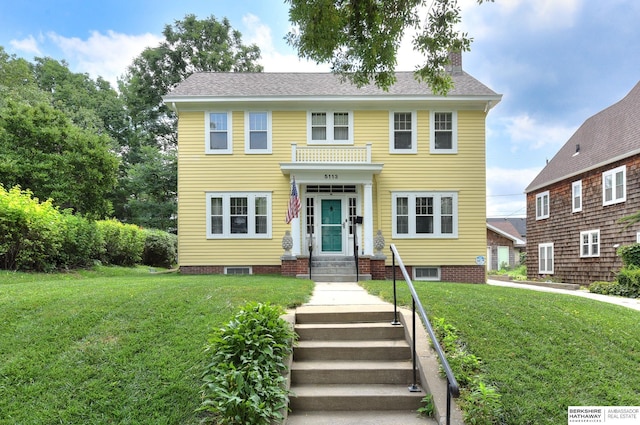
{"points": [[331, 154]]}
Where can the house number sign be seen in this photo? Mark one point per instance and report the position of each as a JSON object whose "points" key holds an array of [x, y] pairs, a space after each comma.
{"points": [[331, 177]]}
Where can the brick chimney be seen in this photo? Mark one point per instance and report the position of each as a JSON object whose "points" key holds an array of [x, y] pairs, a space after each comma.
{"points": [[455, 67]]}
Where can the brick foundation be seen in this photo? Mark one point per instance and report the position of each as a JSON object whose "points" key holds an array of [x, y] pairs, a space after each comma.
{"points": [[462, 274]]}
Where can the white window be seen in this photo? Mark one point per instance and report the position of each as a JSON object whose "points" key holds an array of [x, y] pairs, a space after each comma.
{"points": [[233, 215], [590, 243], [576, 196], [257, 129], [425, 215], [218, 135], [542, 205], [444, 132], [426, 273], [402, 132], [545, 258], [330, 127], [614, 186]]}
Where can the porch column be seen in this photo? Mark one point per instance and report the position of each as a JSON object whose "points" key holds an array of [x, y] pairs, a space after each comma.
{"points": [[295, 228], [367, 219]]}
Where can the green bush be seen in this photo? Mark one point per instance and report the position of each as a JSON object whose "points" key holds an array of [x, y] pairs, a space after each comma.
{"points": [[630, 254], [604, 288], [123, 243], [244, 382], [82, 242], [30, 236], [160, 248], [629, 282]]}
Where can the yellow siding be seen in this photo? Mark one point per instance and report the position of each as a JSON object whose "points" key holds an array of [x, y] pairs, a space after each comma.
{"points": [[198, 173]]}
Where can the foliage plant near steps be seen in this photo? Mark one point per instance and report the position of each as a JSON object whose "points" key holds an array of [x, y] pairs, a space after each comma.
{"points": [[480, 402], [244, 382]]}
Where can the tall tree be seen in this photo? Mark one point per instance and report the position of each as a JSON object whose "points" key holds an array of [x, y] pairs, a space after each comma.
{"points": [[360, 38], [41, 150], [146, 192]]}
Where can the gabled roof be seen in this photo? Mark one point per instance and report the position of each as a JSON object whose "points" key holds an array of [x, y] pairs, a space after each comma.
{"points": [[507, 227], [610, 135], [516, 226], [241, 85]]}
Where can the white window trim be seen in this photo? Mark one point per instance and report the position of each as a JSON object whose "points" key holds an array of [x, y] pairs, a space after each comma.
{"points": [[433, 279], [329, 140], [414, 133], [454, 133], [574, 185], [226, 218], [247, 134], [436, 222], [590, 233], [545, 246], [207, 142], [541, 215], [249, 268], [612, 174]]}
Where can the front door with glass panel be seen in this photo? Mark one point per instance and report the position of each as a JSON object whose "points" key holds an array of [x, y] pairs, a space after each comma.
{"points": [[331, 226]]}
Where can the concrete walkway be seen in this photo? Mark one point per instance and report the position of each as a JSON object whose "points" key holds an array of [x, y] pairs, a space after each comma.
{"points": [[342, 293], [625, 302]]}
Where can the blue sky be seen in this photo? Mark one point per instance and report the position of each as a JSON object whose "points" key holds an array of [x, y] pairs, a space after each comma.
{"points": [[556, 62]]}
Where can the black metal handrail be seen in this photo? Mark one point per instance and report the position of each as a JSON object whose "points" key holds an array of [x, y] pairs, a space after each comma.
{"points": [[310, 255], [355, 248], [453, 390]]}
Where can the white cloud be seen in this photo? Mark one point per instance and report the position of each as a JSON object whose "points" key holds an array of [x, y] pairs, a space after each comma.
{"points": [[106, 55], [525, 131], [273, 61], [27, 45]]}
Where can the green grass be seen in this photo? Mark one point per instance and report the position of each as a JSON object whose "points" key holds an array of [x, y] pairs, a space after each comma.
{"points": [[543, 352], [116, 345]]}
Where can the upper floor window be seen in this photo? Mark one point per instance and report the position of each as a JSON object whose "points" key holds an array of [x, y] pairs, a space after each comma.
{"points": [[257, 127], [330, 127], [218, 132], [542, 205], [590, 243], [425, 215], [444, 132], [576, 196], [614, 186], [402, 134], [545, 258], [238, 215]]}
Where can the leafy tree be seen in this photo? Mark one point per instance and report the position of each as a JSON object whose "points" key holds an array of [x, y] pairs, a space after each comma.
{"points": [[360, 38], [148, 183], [41, 150]]}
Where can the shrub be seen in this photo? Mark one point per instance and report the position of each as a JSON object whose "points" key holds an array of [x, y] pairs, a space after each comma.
{"points": [[123, 243], [160, 248], [82, 242], [30, 237], [244, 382], [604, 288], [630, 254], [629, 282]]}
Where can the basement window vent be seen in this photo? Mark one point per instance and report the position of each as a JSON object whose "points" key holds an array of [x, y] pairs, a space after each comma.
{"points": [[238, 270], [426, 273]]}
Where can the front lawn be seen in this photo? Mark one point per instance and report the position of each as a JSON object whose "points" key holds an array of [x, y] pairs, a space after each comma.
{"points": [[543, 352], [116, 345]]}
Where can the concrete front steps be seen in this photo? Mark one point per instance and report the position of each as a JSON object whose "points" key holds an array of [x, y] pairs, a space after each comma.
{"points": [[334, 268], [351, 366]]}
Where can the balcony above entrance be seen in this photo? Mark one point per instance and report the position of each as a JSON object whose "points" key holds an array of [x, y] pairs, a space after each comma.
{"points": [[336, 158]]}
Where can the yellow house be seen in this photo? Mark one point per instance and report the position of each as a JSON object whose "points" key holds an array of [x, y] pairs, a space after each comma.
{"points": [[403, 164]]}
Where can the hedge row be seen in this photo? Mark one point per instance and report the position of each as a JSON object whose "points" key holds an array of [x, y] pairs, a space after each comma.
{"points": [[627, 283], [36, 236]]}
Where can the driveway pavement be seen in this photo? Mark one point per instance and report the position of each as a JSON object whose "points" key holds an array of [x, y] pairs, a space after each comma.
{"points": [[625, 302]]}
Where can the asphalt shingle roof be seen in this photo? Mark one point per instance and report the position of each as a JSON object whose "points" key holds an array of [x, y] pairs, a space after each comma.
{"points": [[263, 84], [610, 135]]}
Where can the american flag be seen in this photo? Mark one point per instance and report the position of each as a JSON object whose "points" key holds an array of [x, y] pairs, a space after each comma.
{"points": [[294, 203]]}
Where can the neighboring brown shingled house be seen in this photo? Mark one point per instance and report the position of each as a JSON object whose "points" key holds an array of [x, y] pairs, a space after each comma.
{"points": [[574, 204]]}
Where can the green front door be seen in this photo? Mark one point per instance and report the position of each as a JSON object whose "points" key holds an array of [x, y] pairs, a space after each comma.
{"points": [[331, 225]]}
